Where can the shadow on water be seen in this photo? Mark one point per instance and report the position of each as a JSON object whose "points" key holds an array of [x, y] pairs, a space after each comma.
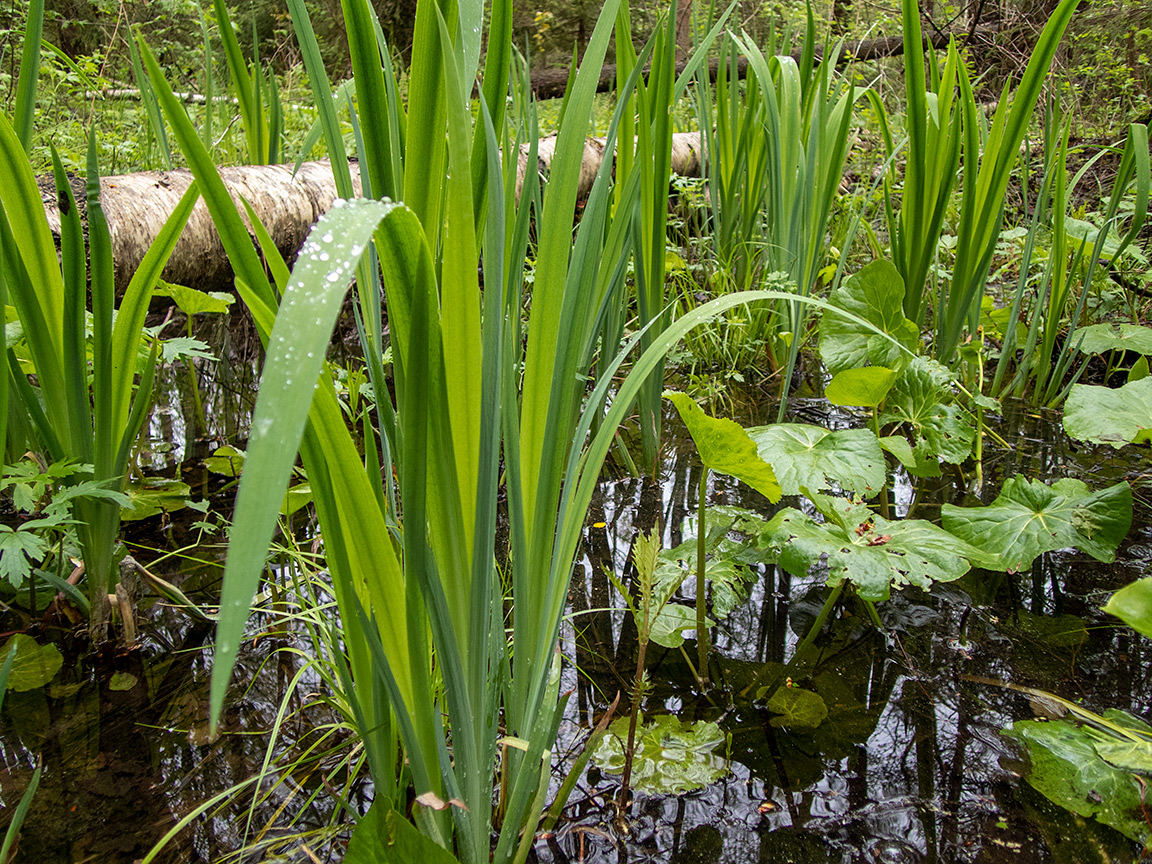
{"points": [[909, 766]]}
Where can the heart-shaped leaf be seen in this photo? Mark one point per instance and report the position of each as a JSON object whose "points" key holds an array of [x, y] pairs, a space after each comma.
{"points": [[1102, 338], [875, 294], [815, 458], [872, 552], [1029, 518], [1106, 416], [34, 666], [796, 708]]}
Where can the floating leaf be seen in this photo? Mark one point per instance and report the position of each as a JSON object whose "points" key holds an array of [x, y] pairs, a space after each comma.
{"points": [[1101, 338], [817, 458], [860, 388], [35, 665], [725, 447], [1106, 416], [671, 756], [155, 495], [1133, 605], [875, 294], [922, 400], [1067, 769], [865, 548], [1029, 518], [122, 681], [796, 708]]}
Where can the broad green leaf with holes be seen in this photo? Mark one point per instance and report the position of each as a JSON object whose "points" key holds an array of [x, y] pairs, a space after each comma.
{"points": [[1133, 605], [875, 294], [671, 756], [1029, 518], [817, 459], [921, 402], [725, 447], [874, 553], [1106, 416]]}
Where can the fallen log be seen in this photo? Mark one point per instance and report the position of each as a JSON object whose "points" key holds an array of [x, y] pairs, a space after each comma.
{"points": [[550, 83], [287, 203]]}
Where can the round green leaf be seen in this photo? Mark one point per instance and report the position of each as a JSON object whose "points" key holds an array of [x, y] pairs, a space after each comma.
{"points": [[796, 708], [1106, 416], [815, 458], [860, 388], [1028, 518], [35, 665]]}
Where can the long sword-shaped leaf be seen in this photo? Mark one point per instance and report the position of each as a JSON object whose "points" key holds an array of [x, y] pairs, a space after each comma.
{"points": [[295, 353], [29, 72], [552, 262]]}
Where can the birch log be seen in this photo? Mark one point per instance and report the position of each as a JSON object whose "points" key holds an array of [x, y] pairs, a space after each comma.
{"points": [[288, 204]]}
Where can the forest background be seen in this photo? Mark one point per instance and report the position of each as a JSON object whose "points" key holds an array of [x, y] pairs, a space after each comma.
{"points": [[1104, 69]]}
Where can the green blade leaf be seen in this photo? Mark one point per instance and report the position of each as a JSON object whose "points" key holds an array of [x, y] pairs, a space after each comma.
{"points": [[1028, 518], [724, 446], [296, 350]]}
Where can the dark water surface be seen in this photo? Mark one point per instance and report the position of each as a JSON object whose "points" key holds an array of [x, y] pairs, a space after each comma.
{"points": [[909, 766]]}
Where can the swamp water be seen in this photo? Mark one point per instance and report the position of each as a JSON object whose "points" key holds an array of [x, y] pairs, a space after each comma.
{"points": [[908, 766]]}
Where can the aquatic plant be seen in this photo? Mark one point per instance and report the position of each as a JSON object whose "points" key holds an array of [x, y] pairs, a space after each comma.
{"points": [[69, 417]]}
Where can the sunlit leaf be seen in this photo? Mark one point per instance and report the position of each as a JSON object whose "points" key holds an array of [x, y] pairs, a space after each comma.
{"points": [[1133, 605], [1106, 416], [865, 387], [1102, 338], [226, 460], [725, 447]]}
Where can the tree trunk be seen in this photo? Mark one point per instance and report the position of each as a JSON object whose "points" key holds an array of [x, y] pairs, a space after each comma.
{"points": [[137, 205]]}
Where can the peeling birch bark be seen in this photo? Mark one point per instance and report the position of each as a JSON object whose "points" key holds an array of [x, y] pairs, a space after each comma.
{"points": [[137, 205]]}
